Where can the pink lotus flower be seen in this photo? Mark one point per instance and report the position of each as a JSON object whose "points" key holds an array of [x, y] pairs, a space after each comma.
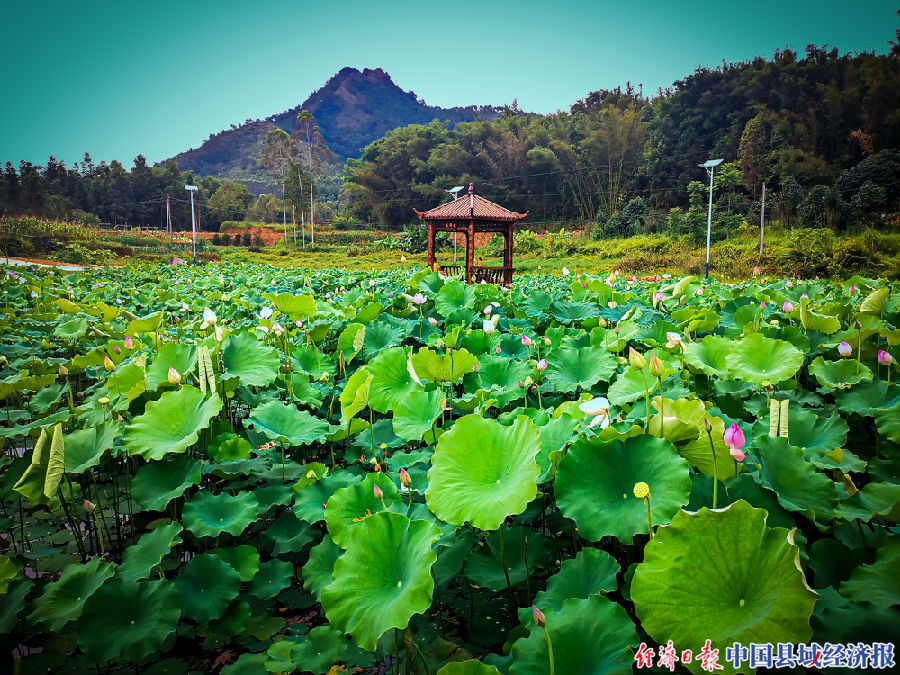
{"points": [[734, 441], [787, 307], [420, 299], [542, 365], [117, 349], [844, 349], [658, 296], [884, 358], [377, 492], [432, 321], [526, 341], [804, 297], [174, 376], [673, 340], [129, 344], [298, 323], [788, 284], [497, 349], [756, 270]]}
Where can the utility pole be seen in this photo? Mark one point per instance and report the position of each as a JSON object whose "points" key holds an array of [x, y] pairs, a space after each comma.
{"points": [[762, 218], [168, 216]]}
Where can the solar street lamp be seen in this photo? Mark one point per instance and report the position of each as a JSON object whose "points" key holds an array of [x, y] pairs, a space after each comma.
{"points": [[710, 167], [454, 193], [192, 189]]}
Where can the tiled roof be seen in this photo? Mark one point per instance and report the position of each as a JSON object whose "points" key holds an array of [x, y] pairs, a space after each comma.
{"points": [[471, 207]]}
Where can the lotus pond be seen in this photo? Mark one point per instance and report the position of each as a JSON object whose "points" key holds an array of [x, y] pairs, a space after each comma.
{"points": [[240, 469]]}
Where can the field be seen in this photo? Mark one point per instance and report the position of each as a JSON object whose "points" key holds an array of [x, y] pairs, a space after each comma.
{"points": [[238, 468]]}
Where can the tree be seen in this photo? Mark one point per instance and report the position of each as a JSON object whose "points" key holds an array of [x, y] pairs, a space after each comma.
{"points": [[230, 200], [277, 155]]}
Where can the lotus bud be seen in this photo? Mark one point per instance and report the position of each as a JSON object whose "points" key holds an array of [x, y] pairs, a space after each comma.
{"points": [[475, 368], [547, 342], [488, 326], [527, 341], [538, 615], [184, 307], [497, 349], [707, 425], [487, 310], [89, 506], [174, 376], [734, 440], [658, 296], [117, 349], [699, 291], [852, 289], [656, 366], [636, 360], [377, 492], [641, 490], [62, 369], [108, 365], [788, 284], [266, 312], [762, 307], [787, 307], [673, 340], [844, 349], [884, 358], [804, 296], [756, 270], [419, 299], [857, 325], [278, 329], [432, 321], [542, 365], [218, 333], [405, 480], [129, 343]]}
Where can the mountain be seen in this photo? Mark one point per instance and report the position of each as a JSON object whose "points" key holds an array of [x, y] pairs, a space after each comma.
{"points": [[352, 109]]}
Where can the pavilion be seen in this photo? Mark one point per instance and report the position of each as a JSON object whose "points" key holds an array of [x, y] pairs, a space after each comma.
{"points": [[470, 215]]}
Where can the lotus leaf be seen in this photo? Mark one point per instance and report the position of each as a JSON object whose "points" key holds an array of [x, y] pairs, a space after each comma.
{"points": [[62, 601], [171, 424], [348, 507], [483, 471], [208, 515], [383, 579], [139, 559], [574, 369], [287, 424], [763, 360], [255, 363], [159, 482]]}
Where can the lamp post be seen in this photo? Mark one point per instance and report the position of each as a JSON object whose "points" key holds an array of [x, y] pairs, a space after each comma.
{"points": [[192, 189], [710, 167], [453, 192]]}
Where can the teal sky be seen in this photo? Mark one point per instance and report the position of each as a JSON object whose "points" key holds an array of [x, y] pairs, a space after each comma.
{"points": [[118, 79]]}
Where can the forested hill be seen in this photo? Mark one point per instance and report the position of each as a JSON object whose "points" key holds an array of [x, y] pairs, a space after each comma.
{"points": [[352, 109], [818, 121]]}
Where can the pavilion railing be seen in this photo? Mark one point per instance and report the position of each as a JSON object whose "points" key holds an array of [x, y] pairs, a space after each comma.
{"points": [[451, 270], [493, 275]]}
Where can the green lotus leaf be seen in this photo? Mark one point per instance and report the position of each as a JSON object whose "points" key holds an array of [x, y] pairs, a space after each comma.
{"points": [[629, 387], [349, 506], [763, 360], [484, 567], [383, 579], [8, 571], [838, 374], [234, 620], [317, 571], [500, 377], [72, 329], [244, 559], [866, 396], [13, 604], [312, 362], [85, 447], [573, 369], [820, 436], [590, 572], [309, 503], [350, 341], [124, 385], [247, 664], [888, 422], [555, 436], [177, 355], [145, 324], [171, 424], [31, 483], [139, 559], [228, 447], [469, 667], [711, 355], [681, 420], [255, 363], [875, 499], [455, 301], [699, 453], [447, 367], [285, 423], [595, 485], [323, 647], [416, 413], [879, 582], [567, 312], [747, 576], [355, 396], [810, 320], [294, 306], [590, 636], [157, 483], [381, 334], [128, 619], [273, 577], [207, 585], [288, 534], [483, 471], [280, 657], [63, 600], [391, 379], [208, 515], [56, 462], [796, 482], [268, 496]]}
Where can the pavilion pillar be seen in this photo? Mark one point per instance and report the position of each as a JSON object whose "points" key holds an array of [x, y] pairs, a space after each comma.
{"points": [[431, 245], [470, 250]]}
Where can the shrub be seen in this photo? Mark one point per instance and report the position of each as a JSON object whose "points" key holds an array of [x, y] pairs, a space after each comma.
{"points": [[237, 239], [216, 239], [821, 207], [810, 249], [258, 240], [247, 239]]}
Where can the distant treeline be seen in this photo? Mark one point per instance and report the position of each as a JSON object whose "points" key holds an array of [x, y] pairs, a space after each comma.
{"points": [[812, 118]]}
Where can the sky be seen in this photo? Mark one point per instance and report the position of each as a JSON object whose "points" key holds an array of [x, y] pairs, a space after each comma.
{"points": [[155, 78]]}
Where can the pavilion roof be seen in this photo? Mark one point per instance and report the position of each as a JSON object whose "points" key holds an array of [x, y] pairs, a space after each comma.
{"points": [[471, 207]]}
